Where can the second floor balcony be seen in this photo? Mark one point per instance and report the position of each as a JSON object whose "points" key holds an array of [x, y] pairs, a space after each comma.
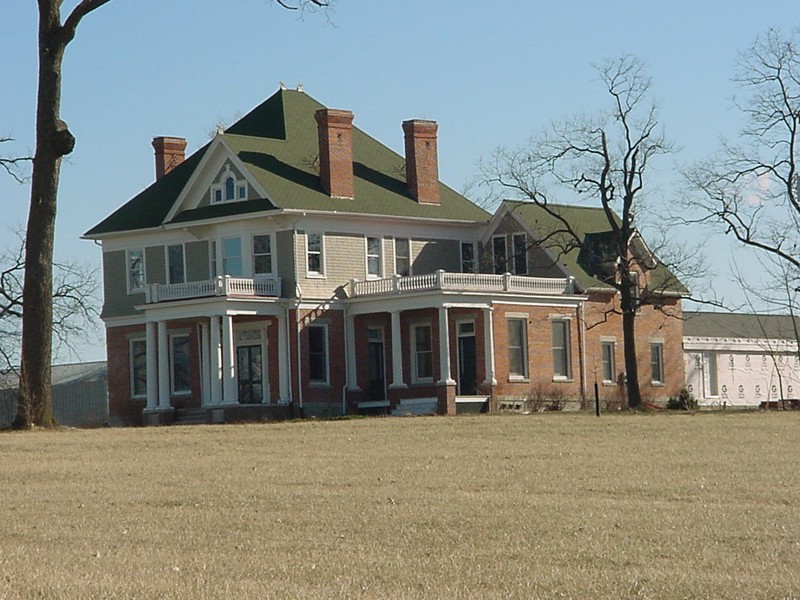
{"points": [[223, 286], [463, 282]]}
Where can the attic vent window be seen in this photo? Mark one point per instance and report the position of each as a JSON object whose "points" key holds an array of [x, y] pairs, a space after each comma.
{"points": [[228, 188]]}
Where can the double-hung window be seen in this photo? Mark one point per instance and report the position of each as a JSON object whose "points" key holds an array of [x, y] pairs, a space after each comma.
{"points": [[138, 369], [232, 256], [657, 362], [421, 353], [374, 257], [179, 361], [519, 243], [561, 362], [315, 264], [318, 353], [402, 256], [262, 254], [135, 260], [517, 349], [468, 257], [499, 254], [607, 358], [176, 265]]}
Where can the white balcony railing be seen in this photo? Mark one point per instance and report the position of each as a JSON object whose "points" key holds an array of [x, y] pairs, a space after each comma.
{"points": [[219, 286], [462, 282]]}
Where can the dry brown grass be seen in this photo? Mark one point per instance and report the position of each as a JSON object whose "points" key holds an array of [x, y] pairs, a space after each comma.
{"points": [[544, 506]]}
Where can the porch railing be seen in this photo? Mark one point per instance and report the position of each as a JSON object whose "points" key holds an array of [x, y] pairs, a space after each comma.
{"points": [[464, 282], [219, 286]]}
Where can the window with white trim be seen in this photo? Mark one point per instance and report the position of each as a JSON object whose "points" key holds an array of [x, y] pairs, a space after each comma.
{"points": [[421, 353], [468, 257], [318, 370], [180, 377], [138, 349], [228, 187], [518, 348], [607, 351], [315, 258], [402, 256], [135, 268], [499, 254], [176, 264], [374, 257], [657, 362], [519, 244], [232, 257], [561, 362], [262, 254]]}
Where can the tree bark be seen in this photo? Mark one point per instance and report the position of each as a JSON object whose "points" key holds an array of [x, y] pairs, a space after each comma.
{"points": [[629, 346], [53, 140]]}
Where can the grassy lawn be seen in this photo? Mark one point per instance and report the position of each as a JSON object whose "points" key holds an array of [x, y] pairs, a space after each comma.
{"points": [[541, 506]]}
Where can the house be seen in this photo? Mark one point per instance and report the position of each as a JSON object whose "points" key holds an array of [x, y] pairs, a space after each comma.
{"points": [[525, 238], [742, 360], [80, 395], [295, 265]]}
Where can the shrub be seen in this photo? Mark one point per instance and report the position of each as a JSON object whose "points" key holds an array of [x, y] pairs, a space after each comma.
{"points": [[683, 401]]}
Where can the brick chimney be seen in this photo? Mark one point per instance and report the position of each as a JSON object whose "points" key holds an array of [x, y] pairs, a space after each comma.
{"points": [[170, 152], [422, 164], [335, 128]]}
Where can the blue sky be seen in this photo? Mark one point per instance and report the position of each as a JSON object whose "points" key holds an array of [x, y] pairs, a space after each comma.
{"points": [[491, 73]]}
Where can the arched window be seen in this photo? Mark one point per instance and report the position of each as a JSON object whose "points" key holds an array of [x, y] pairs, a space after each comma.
{"points": [[230, 184]]}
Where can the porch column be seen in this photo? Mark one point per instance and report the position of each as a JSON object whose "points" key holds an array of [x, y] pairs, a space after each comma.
{"points": [[397, 352], [488, 346], [215, 373], [163, 366], [205, 365], [283, 360], [350, 349], [152, 365], [444, 348], [230, 393]]}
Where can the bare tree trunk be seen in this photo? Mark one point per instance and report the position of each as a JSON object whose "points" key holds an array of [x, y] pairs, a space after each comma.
{"points": [[629, 343], [53, 141]]}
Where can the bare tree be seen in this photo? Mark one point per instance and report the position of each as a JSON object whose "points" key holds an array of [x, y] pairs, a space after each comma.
{"points": [[14, 165], [53, 142], [603, 159], [75, 303], [749, 189]]}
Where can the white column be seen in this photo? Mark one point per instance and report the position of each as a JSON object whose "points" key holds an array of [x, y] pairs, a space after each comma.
{"points": [[215, 362], [152, 365], [350, 350], [283, 360], [444, 348], [397, 352], [163, 366], [230, 393], [488, 345], [205, 365]]}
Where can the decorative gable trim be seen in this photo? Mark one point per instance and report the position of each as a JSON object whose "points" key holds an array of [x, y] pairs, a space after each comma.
{"points": [[219, 154]]}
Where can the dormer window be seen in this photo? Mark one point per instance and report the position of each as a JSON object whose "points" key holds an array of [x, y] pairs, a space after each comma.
{"points": [[228, 188]]}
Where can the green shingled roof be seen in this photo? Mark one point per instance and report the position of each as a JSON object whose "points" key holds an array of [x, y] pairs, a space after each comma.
{"points": [[588, 265], [740, 325], [278, 144]]}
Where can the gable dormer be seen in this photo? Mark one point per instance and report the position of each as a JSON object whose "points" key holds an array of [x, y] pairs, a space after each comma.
{"points": [[230, 185]]}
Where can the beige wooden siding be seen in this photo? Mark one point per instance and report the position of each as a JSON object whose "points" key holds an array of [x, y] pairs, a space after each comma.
{"points": [[344, 258], [284, 247], [197, 261], [428, 256], [155, 264], [116, 300]]}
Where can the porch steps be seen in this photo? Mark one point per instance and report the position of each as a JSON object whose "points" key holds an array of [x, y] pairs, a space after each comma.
{"points": [[416, 406], [191, 416]]}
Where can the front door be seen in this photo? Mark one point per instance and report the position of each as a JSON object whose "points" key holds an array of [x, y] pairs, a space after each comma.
{"points": [[467, 368], [375, 358], [250, 370]]}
